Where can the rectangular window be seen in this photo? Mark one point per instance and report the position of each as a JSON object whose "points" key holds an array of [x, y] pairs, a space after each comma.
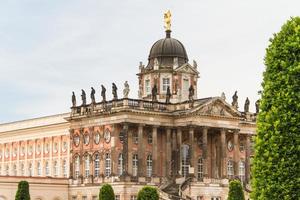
{"points": [[186, 84], [230, 170], [135, 138], [135, 165], [133, 197], [147, 87], [166, 83], [200, 169], [216, 198], [117, 197]]}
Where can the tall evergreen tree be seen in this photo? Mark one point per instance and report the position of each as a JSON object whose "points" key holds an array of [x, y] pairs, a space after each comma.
{"points": [[276, 166], [148, 193], [235, 191], [106, 192], [23, 191]]}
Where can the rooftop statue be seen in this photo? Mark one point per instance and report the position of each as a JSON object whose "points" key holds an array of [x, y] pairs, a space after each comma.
{"points": [[114, 91], [257, 104], [83, 97], [168, 95], [235, 100], [223, 96], [246, 106], [195, 65], [126, 89], [103, 93], [154, 93], [191, 93], [73, 100], [93, 95], [167, 19]]}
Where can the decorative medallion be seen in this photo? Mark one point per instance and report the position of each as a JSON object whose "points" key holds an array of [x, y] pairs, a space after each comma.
{"points": [[230, 145], [86, 139], [107, 135], [97, 138], [76, 140]]}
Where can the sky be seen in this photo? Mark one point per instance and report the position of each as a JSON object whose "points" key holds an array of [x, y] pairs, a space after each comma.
{"points": [[50, 48]]}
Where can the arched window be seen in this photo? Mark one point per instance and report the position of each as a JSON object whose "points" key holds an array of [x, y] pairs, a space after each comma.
{"points": [[200, 169], [55, 168], [39, 168], [87, 166], [120, 164], [15, 170], [107, 164], [230, 170], [97, 165], [242, 171], [22, 169], [77, 167], [64, 169], [47, 168], [30, 172], [149, 165], [6, 170], [134, 165], [185, 160]]}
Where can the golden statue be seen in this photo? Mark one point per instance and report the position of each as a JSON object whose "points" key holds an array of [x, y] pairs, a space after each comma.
{"points": [[167, 18]]}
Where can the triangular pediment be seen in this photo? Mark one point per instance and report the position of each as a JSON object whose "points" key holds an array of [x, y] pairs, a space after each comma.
{"points": [[216, 107], [187, 68]]}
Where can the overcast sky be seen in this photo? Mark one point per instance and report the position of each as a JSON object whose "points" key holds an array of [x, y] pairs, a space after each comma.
{"points": [[50, 48]]}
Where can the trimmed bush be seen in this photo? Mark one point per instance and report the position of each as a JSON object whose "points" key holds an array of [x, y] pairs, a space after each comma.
{"points": [[235, 191], [148, 193], [106, 192], [276, 166], [23, 191]]}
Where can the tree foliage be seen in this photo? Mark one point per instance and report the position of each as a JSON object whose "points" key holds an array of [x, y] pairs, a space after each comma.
{"points": [[106, 192], [235, 191], [148, 193], [23, 191], [276, 166]]}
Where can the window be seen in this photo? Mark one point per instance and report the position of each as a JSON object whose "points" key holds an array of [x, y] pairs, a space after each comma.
{"points": [[242, 171], [186, 84], [30, 172], [6, 170], [86, 139], [97, 138], [95, 197], [200, 169], [15, 170], [39, 168], [65, 171], [97, 166], [87, 166], [185, 160], [149, 165], [149, 138], [133, 197], [117, 197], [77, 167], [134, 165], [120, 164], [107, 164], [55, 168], [135, 138], [147, 86], [230, 170], [22, 169], [242, 146], [121, 136], [216, 198], [200, 198], [47, 168], [166, 84]]}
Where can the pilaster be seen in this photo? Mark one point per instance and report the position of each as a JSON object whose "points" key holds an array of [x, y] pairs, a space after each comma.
{"points": [[141, 161], [205, 163], [154, 151]]}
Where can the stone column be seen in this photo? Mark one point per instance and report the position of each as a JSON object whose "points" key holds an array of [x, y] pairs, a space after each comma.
{"points": [[179, 143], [192, 149], [130, 143], [70, 154], [168, 154], [125, 148], [204, 150], [247, 164], [236, 152], [141, 154], [223, 154], [154, 152]]}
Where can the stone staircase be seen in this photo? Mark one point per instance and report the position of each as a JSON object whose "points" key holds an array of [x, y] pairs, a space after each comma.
{"points": [[170, 190]]}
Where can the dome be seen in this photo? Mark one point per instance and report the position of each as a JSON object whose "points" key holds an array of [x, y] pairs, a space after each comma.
{"points": [[165, 50]]}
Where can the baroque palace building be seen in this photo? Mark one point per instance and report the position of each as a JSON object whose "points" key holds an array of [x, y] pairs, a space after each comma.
{"points": [[188, 148]]}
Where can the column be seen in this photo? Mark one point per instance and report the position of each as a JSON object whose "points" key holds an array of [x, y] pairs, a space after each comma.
{"points": [[125, 148], [141, 154], [204, 150], [223, 154], [168, 154], [191, 141], [236, 152], [179, 142], [154, 151], [129, 154], [247, 164]]}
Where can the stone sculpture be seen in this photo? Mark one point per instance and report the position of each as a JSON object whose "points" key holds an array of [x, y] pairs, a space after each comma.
{"points": [[73, 100], [126, 89], [103, 93], [83, 97], [168, 95], [154, 93], [246, 106], [93, 95], [235, 100], [191, 93], [114, 91], [257, 104]]}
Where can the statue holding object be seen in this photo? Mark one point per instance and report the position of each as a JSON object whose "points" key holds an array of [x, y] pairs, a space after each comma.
{"points": [[126, 89]]}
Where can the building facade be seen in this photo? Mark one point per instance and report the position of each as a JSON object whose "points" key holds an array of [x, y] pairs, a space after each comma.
{"points": [[188, 148]]}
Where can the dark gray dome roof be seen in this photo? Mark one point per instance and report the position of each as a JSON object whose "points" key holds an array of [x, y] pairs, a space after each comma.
{"points": [[166, 49]]}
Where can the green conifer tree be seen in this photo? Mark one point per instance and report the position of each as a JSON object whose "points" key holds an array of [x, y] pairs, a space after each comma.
{"points": [[106, 192], [235, 191], [148, 193], [276, 166], [23, 191]]}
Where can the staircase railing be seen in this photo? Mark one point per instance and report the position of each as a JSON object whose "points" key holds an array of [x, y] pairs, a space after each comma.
{"points": [[183, 186]]}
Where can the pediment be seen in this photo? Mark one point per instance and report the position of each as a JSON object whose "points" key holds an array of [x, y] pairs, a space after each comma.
{"points": [[216, 107], [187, 68]]}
